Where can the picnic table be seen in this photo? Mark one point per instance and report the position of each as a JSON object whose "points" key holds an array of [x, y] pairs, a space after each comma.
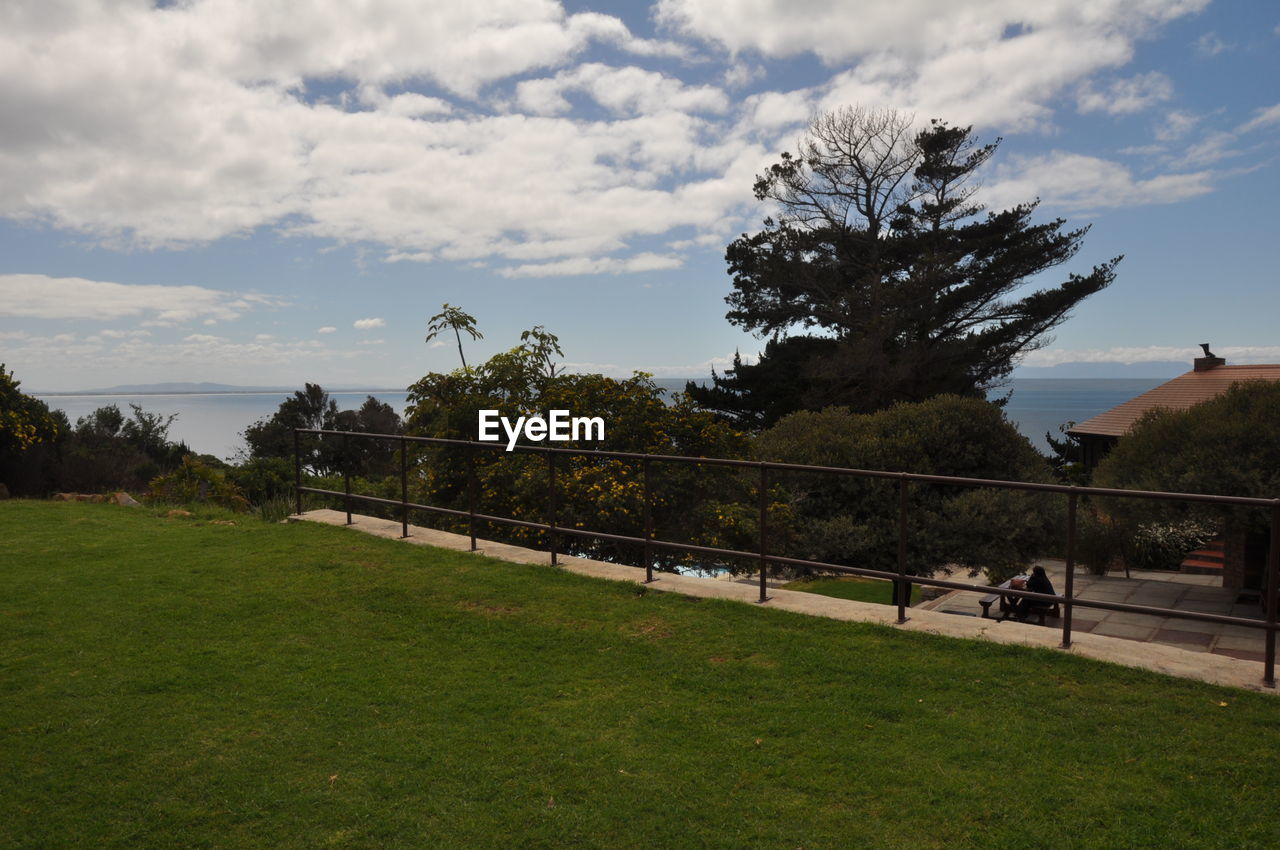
{"points": [[1007, 603]]}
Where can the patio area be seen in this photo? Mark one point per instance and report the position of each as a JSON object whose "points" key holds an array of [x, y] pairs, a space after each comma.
{"points": [[1201, 593]]}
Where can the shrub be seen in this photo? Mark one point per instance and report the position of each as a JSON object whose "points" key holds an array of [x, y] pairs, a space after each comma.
{"points": [[1164, 546], [195, 483]]}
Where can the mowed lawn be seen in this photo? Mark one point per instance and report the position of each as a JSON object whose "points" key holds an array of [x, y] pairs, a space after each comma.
{"points": [[176, 682]]}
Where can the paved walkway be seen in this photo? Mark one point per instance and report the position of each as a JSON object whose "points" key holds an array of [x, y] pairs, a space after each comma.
{"points": [[1217, 668], [1159, 590]]}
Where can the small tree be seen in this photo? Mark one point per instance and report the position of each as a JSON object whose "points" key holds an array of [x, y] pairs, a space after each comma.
{"points": [[24, 421], [454, 318]]}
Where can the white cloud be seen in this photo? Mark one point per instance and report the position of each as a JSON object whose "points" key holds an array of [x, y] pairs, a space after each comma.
{"points": [[1210, 44], [327, 329], [991, 62], [623, 91], [1126, 96], [39, 296], [1262, 118], [441, 131], [605, 265], [1175, 125], [1076, 182], [367, 324]]}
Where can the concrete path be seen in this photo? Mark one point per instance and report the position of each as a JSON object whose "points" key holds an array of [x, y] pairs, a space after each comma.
{"points": [[1172, 660]]}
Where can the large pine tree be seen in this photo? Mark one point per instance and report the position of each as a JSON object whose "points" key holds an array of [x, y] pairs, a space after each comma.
{"points": [[881, 280]]}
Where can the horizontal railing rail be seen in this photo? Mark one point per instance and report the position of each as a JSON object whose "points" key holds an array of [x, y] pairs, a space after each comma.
{"points": [[902, 580]]}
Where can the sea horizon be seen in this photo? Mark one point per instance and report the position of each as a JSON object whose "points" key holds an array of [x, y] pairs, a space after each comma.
{"points": [[212, 421]]}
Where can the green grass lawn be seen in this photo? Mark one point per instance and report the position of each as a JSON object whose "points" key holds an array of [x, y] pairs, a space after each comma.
{"points": [[852, 587], [181, 683]]}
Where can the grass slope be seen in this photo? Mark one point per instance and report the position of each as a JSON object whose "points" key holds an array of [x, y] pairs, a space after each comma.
{"points": [[175, 682]]}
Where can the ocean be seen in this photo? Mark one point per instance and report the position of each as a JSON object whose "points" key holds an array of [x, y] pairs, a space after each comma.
{"points": [[211, 423]]}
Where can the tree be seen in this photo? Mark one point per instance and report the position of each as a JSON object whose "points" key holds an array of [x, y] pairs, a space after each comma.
{"points": [[854, 521], [312, 408], [25, 425], [599, 494], [455, 318], [881, 259]]}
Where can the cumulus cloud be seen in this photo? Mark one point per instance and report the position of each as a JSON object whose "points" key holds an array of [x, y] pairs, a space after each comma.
{"points": [[623, 91], [646, 262], [368, 324], [1076, 182], [1126, 96], [327, 329], [443, 131], [995, 62], [39, 296]]}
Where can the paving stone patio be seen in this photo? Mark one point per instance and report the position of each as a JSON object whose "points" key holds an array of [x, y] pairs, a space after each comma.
{"points": [[1162, 590]]}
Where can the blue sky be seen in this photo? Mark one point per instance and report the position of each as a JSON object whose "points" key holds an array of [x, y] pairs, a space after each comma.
{"points": [[266, 194]]}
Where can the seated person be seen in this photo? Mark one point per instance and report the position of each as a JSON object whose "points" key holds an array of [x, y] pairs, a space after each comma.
{"points": [[1037, 583]]}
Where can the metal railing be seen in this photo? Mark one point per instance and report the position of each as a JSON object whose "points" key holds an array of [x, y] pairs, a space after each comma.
{"points": [[902, 580]]}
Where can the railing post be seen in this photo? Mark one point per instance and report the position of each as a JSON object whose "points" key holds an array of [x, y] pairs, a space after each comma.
{"points": [[471, 495], [404, 487], [551, 498], [1070, 581], [1273, 596], [764, 533], [904, 586], [297, 469], [346, 473], [648, 527]]}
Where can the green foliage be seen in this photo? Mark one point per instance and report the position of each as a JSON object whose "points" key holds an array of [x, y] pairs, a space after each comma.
{"points": [[1164, 546], [597, 494], [1100, 541], [311, 407], [24, 421], [903, 288], [262, 479], [453, 318], [195, 483], [853, 521], [1229, 445]]}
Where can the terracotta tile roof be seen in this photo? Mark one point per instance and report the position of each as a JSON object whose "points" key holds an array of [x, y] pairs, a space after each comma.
{"points": [[1179, 394]]}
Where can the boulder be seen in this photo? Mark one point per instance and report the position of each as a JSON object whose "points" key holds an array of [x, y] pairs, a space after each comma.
{"points": [[4, 491], [177, 513], [123, 498]]}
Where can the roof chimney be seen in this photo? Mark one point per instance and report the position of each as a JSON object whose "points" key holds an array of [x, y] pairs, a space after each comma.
{"points": [[1209, 361]]}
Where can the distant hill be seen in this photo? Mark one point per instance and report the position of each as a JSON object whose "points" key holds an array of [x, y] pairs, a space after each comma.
{"points": [[180, 387], [1154, 369]]}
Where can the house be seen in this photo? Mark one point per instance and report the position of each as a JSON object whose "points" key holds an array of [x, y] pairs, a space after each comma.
{"points": [[1210, 377], [1243, 555]]}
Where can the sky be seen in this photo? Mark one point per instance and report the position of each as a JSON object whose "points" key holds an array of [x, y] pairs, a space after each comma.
{"points": [[271, 193]]}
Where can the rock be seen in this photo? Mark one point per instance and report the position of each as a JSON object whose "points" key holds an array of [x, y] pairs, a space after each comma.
{"points": [[125, 499], [4, 491], [64, 497], [176, 513]]}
